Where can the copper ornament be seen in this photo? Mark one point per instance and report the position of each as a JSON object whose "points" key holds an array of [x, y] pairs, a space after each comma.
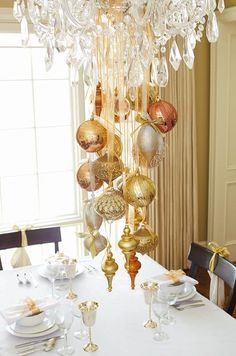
{"points": [[140, 191], [147, 239], [92, 219], [91, 136], [86, 178], [110, 205], [106, 169], [117, 147], [164, 114], [134, 266]]}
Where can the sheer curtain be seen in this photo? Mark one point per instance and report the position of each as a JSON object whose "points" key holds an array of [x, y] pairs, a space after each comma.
{"points": [[173, 215]]}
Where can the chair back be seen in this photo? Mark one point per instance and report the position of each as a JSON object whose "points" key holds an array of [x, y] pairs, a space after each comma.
{"points": [[34, 237], [200, 257]]}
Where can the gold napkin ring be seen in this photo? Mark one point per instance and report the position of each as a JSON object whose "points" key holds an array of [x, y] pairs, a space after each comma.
{"points": [[32, 306]]}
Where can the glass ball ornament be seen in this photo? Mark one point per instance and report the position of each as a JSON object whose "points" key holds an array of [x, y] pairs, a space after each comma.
{"points": [[86, 178], [140, 191], [163, 114], [146, 238], [107, 168], [117, 147], [91, 136]]}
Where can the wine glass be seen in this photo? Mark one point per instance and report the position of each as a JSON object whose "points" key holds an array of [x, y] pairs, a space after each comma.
{"points": [[64, 318], [88, 310], [160, 309], [169, 294], [149, 289], [70, 270], [52, 270]]}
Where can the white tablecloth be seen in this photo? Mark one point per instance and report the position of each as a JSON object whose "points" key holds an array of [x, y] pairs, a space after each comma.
{"points": [[205, 331]]}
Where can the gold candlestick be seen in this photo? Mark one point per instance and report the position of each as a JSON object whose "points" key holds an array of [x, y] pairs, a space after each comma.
{"points": [[149, 289], [88, 310]]}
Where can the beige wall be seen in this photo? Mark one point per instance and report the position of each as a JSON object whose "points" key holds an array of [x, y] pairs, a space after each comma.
{"points": [[202, 76], [6, 3]]}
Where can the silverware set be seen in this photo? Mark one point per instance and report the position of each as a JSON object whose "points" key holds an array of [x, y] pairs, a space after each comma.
{"points": [[188, 304], [31, 347]]}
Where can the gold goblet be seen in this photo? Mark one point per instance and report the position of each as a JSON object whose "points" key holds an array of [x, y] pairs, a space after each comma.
{"points": [[88, 310], [70, 270], [149, 289]]}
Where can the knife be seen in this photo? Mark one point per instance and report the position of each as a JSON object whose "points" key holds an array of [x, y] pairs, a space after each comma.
{"points": [[189, 306]]}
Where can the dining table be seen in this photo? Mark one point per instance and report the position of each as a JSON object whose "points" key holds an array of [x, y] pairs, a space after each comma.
{"points": [[119, 330]]}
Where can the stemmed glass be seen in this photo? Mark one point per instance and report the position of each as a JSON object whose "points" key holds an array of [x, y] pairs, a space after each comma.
{"points": [[88, 310], [160, 309], [81, 332], [149, 289], [64, 318], [53, 269], [169, 295], [70, 270]]}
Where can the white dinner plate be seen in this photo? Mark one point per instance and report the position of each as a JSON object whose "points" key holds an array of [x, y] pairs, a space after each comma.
{"points": [[45, 325], [188, 295], [43, 333], [43, 272]]}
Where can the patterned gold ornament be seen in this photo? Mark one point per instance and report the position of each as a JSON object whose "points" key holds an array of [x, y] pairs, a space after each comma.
{"points": [[91, 136], [105, 168], [109, 267], [140, 191], [92, 219], [128, 245], [142, 162], [117, 147], [86, 178], [95, 243], [110, 205], [147, 239]]}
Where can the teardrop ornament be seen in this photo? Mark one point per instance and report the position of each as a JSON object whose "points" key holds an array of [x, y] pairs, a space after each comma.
{"points": [[175, 57], [212, 30]]}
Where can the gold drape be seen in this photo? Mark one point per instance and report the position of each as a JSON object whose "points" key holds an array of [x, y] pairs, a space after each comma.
{"points": [[174, 213]]}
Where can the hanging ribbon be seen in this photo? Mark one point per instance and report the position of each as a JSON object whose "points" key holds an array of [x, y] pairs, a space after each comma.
{"points": [[93, 235], [218, 250], [24, 241], [175, 275], [147, 121]]}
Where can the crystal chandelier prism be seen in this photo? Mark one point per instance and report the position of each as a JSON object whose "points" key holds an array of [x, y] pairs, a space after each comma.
{"points": [[124, 48]]}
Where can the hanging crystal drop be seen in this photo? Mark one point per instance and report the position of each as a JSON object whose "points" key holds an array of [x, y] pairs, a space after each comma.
{"points": [[18, 11], [175, 57], [74, 75], [212, 30], [132, 94], [154, 68], [87, 73], [146, 51], [135, 74], [192, 40], [162, 73], [221, 5], [49, 55], [24, 31], [188, 55], [211, 5]]}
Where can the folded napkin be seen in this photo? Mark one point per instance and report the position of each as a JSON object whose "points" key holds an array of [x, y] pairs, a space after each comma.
{"points": [[174, 276], [26, 308]]}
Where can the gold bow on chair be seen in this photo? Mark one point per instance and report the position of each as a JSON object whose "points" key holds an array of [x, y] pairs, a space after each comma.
{"points": [[218, 250], [175, 275]]}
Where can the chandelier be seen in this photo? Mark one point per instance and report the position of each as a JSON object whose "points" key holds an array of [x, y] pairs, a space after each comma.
{"points": [[124, 48]]}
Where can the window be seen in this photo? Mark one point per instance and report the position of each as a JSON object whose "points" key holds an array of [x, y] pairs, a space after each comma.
{"points": [[38, 150]]}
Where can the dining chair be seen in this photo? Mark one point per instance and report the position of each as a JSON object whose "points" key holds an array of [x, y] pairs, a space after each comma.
{"points": [[200, 256], [34, 237]]}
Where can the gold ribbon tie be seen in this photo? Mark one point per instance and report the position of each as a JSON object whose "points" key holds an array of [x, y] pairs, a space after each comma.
{"points": [[32, 306], [175, 275], [218, 250]]}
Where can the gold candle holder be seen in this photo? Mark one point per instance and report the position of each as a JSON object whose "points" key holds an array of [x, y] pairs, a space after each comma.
{"points": [[149, 289], [88, 310]]}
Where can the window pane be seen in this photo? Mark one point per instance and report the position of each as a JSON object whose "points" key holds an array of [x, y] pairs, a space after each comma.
{"points": [[15, 63], [16, 109], [17, 152], [19, 199], [52, 103], [54, 149], [59, 69], [57, 195]]}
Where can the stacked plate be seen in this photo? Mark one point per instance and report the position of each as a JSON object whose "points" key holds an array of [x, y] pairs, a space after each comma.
{"points": [[42, 271], [188, 292], [46, 327]]}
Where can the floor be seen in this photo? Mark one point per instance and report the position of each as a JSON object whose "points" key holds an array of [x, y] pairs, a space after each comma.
{"points": [[204, 283]]}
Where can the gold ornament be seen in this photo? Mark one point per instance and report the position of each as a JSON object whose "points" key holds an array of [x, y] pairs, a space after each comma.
{"points": [[149, 142], [98, 100], [95, 243], [92, 219], [128, 245], [106, 167], [91, 136], [147, 239], [140, 191], [110, 205], [109, 267], [117, 147], [86, 178]]}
